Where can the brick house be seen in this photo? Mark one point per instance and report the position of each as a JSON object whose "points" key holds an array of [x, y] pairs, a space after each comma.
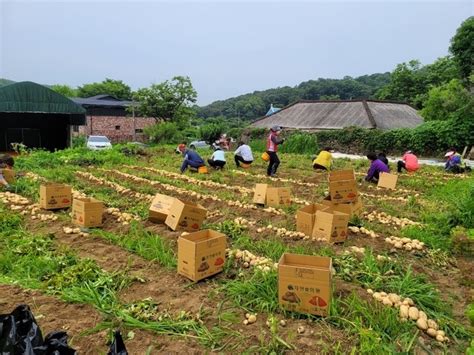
{"points": [[108, 116]]}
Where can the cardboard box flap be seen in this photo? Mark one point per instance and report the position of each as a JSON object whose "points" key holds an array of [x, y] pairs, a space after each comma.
{"points": [[313, 208], [161, 203], [260, 194], [316, 268], [338, 175], [388, 181]]}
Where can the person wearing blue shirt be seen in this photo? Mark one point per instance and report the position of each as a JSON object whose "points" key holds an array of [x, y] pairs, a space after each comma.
{"points": [[217, 160], [191, 158]]}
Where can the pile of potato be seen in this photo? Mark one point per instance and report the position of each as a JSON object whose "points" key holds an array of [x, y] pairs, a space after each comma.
{"points": [[244, 222], [363, 230], [405, 243], [75, 230], [21, 204], [250, 318], [408, 311], [248, 259], [273, 210], [385, 218], [122, 217]]}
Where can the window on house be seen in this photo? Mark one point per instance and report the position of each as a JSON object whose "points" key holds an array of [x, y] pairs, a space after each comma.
{"points": [[138, 130], [117, 128], [75, 129]]}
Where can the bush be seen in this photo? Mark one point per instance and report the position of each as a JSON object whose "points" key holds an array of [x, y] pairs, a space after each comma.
{"points": [[79, 141], [164, 133], [211, 132]]}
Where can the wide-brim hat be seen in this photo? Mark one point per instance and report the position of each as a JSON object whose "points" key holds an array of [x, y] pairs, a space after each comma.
{"points": [[448, 154]]}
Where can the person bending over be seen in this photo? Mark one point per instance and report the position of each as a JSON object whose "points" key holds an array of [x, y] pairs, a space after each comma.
{"points": [[243, 154], [376, 167]]}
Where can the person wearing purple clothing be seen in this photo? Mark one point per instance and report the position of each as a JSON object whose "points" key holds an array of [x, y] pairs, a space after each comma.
{"points": [[376, 167]]}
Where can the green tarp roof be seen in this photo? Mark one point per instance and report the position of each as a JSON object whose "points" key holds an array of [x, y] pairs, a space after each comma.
{"points": [[30, 97]]}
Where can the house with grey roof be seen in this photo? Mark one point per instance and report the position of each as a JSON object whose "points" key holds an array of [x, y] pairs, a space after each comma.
{"points": [[310, 115]]}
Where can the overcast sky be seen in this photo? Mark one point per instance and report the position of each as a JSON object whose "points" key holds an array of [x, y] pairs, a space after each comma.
{"points": [[226, 48]]}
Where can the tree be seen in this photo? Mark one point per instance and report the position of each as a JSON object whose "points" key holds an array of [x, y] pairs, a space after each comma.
{"points": [[462, 47], [170, 100], [408, 81], [445, 102], [115, 88], [65, 90]]}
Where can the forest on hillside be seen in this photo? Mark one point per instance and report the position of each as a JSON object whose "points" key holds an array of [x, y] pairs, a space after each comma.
{"points": [[256, 104]]}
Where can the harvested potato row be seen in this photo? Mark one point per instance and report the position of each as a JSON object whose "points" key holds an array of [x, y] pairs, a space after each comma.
{"points": [[261, 176], [385, 218], [191, 193], [363, 230], [241, 189], [405, 243], [120, 189], [386, 198], [408, 311]]}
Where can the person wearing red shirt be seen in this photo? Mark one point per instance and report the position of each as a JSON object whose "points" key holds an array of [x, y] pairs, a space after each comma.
{"points": [[409, 162], [273, 141]]}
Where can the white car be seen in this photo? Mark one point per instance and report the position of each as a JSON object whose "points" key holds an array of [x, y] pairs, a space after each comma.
{"points": [[98, 143]]}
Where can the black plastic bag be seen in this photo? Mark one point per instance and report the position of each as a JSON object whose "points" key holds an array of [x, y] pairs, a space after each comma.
{"points": [[20, 334], [118, 346]]}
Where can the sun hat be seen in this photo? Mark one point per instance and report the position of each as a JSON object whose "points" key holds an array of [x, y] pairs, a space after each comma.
{"points": [[448, 154], [408, 152]]}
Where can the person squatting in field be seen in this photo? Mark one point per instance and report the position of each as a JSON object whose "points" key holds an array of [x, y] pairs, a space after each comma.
{"points": [[324, 160], [6, 162], [409, 162], [273, 141], [376, 167], [243, 154], [454, 163], [191, 158], [217, 160]]}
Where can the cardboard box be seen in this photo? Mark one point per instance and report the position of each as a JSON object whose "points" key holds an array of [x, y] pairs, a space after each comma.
{"points": [[305, 283], [160, 208], [351, 208], [9, 175], [331, 225], [305, 218], [388, 181], [272, 196], [185, 215], [201, 254], [260, 195], [278, 196], [87, 212], [54, 196], [342, 186]]}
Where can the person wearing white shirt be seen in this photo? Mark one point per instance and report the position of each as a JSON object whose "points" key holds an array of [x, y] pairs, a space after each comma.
{"points": [[243, 154], [217, 160]]}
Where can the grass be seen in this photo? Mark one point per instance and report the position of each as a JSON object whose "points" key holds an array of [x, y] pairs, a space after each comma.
{"points": [[144, 243]]}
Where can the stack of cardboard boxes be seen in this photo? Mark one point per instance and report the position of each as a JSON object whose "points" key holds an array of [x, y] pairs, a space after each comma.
{"points": [[176, 214], [271, 196], [329, 220]]}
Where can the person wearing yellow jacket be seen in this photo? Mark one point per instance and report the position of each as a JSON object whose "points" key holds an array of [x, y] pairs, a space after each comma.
{"points": [[324, 160]]}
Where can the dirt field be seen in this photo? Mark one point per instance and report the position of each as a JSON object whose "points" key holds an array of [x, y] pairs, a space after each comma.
{"points": [[123, 275]]}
